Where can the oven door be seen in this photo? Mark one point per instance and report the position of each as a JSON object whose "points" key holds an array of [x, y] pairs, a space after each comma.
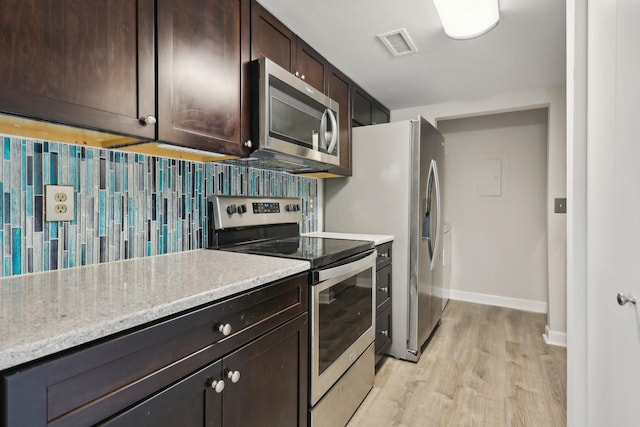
{"points": [[342, 319]]}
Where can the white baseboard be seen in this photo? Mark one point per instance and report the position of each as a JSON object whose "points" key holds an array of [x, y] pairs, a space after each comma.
{"points": [[554, 337], [515, 303]]}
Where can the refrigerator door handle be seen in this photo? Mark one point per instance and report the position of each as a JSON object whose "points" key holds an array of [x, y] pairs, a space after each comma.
{"points": [[436, 246], [426, 220]]}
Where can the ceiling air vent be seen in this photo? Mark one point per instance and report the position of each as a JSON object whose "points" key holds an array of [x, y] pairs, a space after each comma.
{"points": [[398, 42]]}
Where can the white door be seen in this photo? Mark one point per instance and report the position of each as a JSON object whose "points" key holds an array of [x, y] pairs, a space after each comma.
{"points": [[613, 212]]}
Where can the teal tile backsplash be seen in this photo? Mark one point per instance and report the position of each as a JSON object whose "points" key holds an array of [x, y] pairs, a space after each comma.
{"points": [[127, 205]]}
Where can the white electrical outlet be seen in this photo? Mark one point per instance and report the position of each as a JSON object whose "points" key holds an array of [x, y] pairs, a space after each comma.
{"points": [[59, 203], [311, 205]]}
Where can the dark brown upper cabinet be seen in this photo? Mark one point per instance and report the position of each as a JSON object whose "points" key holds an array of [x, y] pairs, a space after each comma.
{"points": [[94, 65], [144, 70], [270, 38], [339, 89], [88, 64], [366, 110], [380, 114], [203, 96]]}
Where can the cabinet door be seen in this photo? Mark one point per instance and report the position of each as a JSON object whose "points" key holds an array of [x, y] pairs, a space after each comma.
{"points": [[311, 66], [339, 89], [192, 402], [203, 48], [271, 39], [379, 114], [383, 285], [362, 107], [271, 387], [84, 63], [383, 331]]}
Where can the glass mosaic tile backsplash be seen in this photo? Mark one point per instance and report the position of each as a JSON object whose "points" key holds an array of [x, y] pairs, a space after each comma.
{"points": [[127, 205]]}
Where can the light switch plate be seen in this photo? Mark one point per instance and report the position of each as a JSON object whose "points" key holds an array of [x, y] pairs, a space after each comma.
{"points": [[59, 203], [560, 205]]}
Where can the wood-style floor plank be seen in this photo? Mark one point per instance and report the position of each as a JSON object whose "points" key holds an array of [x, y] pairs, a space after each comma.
{"points": [[485, 366]]}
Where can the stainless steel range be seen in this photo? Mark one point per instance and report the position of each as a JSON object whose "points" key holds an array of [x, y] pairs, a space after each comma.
{"points": [[342, 305]]}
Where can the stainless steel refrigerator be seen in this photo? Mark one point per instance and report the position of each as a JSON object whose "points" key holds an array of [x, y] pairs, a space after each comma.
{"points": [[396, 188]]}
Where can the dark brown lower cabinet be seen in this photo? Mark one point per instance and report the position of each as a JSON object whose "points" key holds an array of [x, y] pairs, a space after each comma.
{"points": [[271, 388], [236, 362], [190, 402], [383, 299]]}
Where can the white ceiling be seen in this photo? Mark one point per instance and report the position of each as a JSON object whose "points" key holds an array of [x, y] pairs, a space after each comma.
{"points": [[526, 50]]}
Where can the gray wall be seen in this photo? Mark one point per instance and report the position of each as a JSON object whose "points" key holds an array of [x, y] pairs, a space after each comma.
{"points": [[496, 175]]}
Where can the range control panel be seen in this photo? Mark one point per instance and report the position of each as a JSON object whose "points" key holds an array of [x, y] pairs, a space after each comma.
{"points": [[266, 207], [239, 211]]}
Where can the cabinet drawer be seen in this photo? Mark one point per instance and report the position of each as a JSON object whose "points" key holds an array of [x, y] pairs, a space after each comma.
{"points": [[383, 330], [384, 255], [87, 385], [383, 285]]}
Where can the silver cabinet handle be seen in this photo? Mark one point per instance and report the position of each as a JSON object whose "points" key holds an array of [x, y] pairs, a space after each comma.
{"points": [[297, 74], [385, 333], [384, 255], [302, 76], [234, 376], [225, 329], [248, 143], [148, 120], [217, 385], [385, 289], [623, 299]]}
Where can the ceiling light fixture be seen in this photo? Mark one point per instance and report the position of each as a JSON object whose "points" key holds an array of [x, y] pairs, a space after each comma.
{"points": [[465, 19]]}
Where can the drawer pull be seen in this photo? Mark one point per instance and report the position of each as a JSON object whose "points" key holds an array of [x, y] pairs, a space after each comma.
{"points": [[234, 376], [217, 385], [385, 289], [225, 329], [383, 255], [385, 333]]}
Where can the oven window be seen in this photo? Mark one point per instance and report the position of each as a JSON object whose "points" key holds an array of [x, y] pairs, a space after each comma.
{"points": [[344, 314]]}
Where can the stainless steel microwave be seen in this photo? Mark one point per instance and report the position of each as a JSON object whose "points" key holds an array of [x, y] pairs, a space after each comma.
{"points": [[293, 125]]}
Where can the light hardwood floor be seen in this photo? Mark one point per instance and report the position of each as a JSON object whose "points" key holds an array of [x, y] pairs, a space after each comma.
{"points": [[485, 366]]}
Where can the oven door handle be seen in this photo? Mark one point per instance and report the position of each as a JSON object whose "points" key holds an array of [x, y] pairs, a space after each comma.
{"points": [[349, 269]]}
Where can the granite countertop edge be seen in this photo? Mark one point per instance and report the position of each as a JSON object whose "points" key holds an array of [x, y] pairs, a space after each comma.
{"points": [[39, 316]]}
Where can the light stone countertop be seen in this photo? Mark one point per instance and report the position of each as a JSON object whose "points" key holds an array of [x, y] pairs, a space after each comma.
{"points": [[44, 313], [377, 239]]}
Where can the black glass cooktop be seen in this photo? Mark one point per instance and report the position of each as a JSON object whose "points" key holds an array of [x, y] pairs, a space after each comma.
{"points": [[318, 251]]}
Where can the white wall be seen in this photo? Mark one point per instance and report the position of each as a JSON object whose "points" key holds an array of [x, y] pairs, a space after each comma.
{"points": [[555, 100], [499, 227], [577, 212]]}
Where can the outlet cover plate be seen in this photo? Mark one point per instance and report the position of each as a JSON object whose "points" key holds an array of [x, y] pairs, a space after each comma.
{"points": [[59, 203]]}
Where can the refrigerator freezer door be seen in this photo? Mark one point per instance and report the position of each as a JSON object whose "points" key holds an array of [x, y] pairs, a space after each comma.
{"points": [[422, 318]]}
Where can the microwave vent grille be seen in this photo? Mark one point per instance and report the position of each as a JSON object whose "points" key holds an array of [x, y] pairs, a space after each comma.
{"points": [[276, 164]]}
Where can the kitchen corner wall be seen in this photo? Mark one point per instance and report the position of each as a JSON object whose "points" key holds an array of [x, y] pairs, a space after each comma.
{"points": [[127, 205]]}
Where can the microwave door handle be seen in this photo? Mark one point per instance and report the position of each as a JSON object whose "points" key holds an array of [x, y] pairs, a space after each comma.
{"points": [[334, 130], [323, 129]]}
